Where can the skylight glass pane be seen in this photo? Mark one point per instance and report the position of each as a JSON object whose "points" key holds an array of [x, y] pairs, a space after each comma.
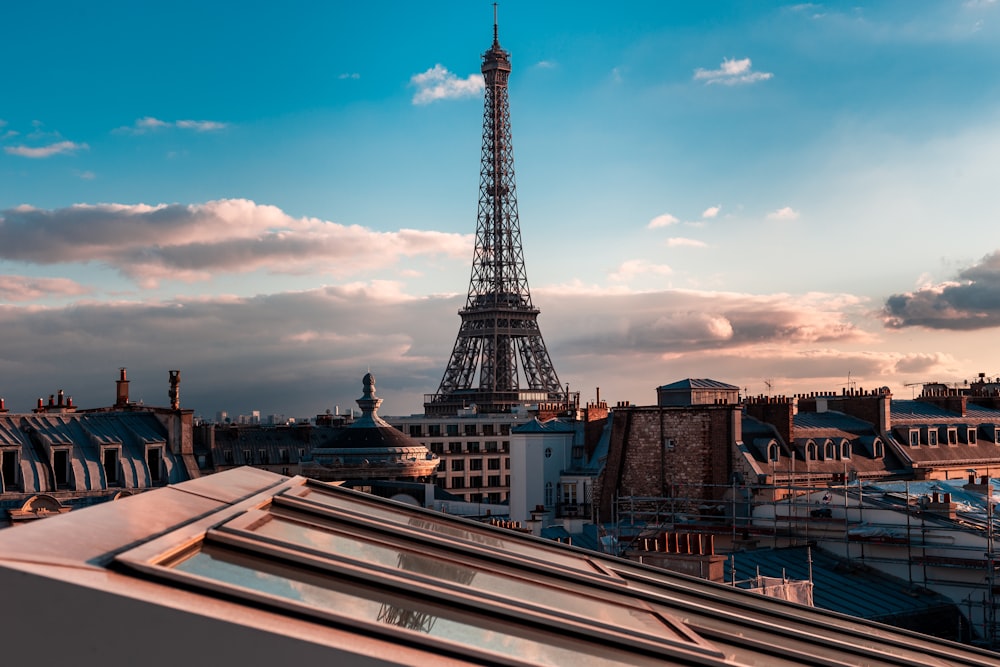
{"points": [[483, 538], [612, 610], [355, 603]]}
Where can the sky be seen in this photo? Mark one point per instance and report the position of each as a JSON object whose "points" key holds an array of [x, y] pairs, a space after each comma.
{"points": [[276, 198]]}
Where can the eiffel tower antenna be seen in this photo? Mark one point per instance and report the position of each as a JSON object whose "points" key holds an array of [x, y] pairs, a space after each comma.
{"points": [[499, 323]]}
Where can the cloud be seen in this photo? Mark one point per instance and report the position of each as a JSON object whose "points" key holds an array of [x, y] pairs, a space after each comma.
{"points": [[711, 211], [194, 242], [58, 148], [349, 75], [24, 288], [732, 72], [970, 302], [678, 242], [786, 213], [150, 124], [664, 220], [638, 268], [546, 64], [438, 83]]}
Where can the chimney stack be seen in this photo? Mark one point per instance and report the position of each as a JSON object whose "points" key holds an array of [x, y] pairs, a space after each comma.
{"points": [[122, 390], [175, 390]]}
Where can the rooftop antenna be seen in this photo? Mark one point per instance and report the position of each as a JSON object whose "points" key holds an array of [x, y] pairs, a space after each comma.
{"points": [[496, 38], [770, 385]]}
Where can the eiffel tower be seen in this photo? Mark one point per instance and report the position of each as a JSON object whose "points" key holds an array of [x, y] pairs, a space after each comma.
{"points": [[499, 322]]}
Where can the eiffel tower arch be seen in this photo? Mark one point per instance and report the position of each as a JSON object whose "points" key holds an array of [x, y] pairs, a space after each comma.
{"points": [[499, 359]]}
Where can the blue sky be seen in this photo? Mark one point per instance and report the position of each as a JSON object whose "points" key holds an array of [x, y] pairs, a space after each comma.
{"points": [[275, 198]]}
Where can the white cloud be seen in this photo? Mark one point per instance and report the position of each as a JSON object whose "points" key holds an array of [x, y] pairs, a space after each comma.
{"points": [[349, 75], [732, 72], [24, 288], [786, 213], [711, 211], [58, 148], [151, 124], [634, 268], [545, 64], [678, 242], [664, 220], [438, 83]]}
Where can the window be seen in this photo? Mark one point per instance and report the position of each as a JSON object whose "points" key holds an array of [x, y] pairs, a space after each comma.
{"points": [[10, 470], [878, 449], [772, 452], [914, 437], [457, 465], [506, 463], [548, 494], [437, 448], [60, 467], [504, 429], [415, 431], [470, 429], [810, 451], [505, 446], [454, 448], [828, 453], [452, 430], [458, 483], [971, 436], [475, 464], [577, 451], [996, 436], [488, 429], [506, 480], [262, 456], [952, 436], [110, 460], [475, 482], [491, 445], [493, 464], [495, 498], [227, 455], [568, 493], [932, 437], [473, 447], [493, 480], [434, 430], [475, 497], [283, 453], [154, 461], [247, 456], [845, 450]]}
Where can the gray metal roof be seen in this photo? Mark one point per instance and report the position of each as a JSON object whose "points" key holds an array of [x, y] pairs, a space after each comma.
{"points": [[698, 383]]}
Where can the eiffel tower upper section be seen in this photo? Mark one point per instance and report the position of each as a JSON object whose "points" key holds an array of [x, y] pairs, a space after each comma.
{"points": [[499, 343]]}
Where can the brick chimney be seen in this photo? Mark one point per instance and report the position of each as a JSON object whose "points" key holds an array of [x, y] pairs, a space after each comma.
{"points": [[122, 390]]}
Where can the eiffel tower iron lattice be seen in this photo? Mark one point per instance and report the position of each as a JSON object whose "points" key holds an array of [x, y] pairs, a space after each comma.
{"points": [[499, 323]]}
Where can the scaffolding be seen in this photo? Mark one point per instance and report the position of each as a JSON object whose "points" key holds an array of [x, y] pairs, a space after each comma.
{"points": [[937, 535]]}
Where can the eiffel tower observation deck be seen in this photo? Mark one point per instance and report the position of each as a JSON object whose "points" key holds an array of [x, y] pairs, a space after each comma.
{"points": [[499, 360]]}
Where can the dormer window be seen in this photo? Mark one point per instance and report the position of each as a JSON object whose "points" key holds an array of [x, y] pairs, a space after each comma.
{"points": [[154, 461], [772, 452], [914, 438], [109, 460], [60, 467], [932, 437], [829, 452], [952, 436], [10, 470], [878, 449], [845, 449], [971, 436], [996, 436], [811, 453]]}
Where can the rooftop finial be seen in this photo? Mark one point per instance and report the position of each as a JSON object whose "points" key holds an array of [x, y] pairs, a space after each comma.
{"points": [[496, 38]]}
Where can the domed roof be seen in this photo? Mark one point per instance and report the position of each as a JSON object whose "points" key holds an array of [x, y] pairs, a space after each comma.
{"points": [[370, 430]]}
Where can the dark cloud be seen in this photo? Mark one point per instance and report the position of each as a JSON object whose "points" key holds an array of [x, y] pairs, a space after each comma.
{"points": [[970, 302], [25, 288], [193, 242]]}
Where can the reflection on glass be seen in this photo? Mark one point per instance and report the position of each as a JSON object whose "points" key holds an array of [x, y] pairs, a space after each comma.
{"points": [[483, 538], [261, 575], [615, 612]]}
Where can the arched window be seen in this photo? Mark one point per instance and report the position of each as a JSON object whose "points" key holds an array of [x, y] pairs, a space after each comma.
{"points": [[828, 451], [845, 449], [772, 452], [878, 449], [548, 494], [811, 453]]}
